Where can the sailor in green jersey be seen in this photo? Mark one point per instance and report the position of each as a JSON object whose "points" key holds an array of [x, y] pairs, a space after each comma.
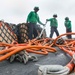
{"points": [[68, 25], [54, 25], [32, 20]]}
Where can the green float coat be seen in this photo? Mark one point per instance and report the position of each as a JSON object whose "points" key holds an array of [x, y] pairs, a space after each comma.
{"points": [[53, 22], [33, 18], [68, 24]]}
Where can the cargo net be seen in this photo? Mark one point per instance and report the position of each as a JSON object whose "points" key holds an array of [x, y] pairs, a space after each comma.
{"points": [[6, 33], [12, 26], [22, 32]]}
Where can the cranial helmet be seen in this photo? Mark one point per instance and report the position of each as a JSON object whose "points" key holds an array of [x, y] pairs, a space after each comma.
{"points": [[66, 18], [36, 8], [55, 15]]}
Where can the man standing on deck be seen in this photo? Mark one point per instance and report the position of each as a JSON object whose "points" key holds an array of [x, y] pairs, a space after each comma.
{"points": [[32, 20], [54, 25], [68, 26]]}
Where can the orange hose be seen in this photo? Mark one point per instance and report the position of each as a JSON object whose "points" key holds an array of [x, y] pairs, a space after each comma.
{"points": [[44, 52], [61, 36], [20, 48], [74, 68], [67, 51], [70, 65], [5, 44], [7, 50]]}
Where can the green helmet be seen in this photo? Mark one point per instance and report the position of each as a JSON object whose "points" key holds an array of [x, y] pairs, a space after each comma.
{"points": [[36, 8], [66, 18], [55, 15]]}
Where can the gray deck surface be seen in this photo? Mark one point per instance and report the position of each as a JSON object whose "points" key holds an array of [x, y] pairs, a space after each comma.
{"points": [[17, 68]]}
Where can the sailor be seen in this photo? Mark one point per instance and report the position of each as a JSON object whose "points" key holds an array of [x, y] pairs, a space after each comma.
{"points": [[32, 20]]}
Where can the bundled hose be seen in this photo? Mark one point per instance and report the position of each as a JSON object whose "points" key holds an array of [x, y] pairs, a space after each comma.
{"points": [[64, 44], [59, 69], [15, 48]]}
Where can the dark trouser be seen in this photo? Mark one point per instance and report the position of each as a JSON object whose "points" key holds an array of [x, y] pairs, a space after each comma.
{"points": [[54, 29], [32, 31], [67, 31]]}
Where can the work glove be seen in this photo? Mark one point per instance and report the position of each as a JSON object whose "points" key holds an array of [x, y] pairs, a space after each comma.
{"points": [[43, 24], [46, 20]]}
